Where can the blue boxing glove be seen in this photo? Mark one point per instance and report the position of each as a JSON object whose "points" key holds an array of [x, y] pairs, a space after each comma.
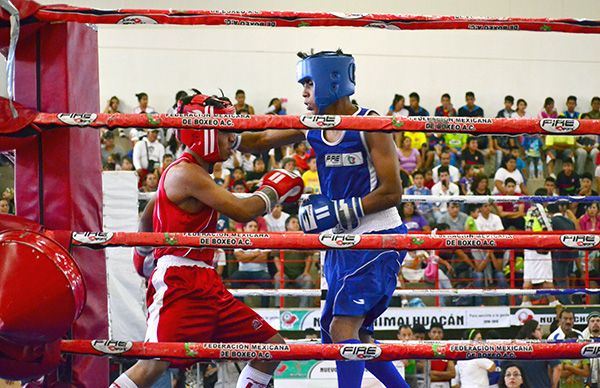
{"points": [[318, 213]]}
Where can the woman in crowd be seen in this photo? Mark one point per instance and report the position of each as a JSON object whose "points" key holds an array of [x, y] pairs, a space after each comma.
{"points": [[409, 157], [413, 220], [509, 170], [397, 108], [590, 221], [143, 104], [521, 112], [548, 112], [480, 185], [112, 106], [473, 373], [512, 377]]}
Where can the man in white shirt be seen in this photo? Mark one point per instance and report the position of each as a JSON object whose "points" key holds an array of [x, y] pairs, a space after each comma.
{"points": [[445, 162], [148, 153], [473, 373], [566, 321], [276, 219], [443, 188]]}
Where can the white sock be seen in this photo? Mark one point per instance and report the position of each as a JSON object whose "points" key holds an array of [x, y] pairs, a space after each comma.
{"points": [[253, 378], [123, 381]]}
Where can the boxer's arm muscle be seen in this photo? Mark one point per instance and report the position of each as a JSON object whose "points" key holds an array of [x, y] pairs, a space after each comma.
{"points": [[383, 154], [272, 138]]}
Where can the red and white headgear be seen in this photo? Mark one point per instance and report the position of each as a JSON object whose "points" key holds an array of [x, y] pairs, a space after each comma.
{"points": [[203, 142]]}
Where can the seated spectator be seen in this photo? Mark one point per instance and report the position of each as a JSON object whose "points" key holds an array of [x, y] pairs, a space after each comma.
{"points": [[574, 373], [511, 213], [480, 185], [470, 109], [443, 187], [567, 180], [456, 143], [586, 148], [562, 264], [446, 109], [254, 176], [435, 144], [537, 373], [289, 164], [442, 371], [312, 185], [4, 206], [586, 181], [397, 107], [112, 163], [418, 188], [240, 103], [532, 145], [297, 265], [550, 186], [445, 162], [252, 267], [571, 113], [508, 110], [411, 218], [454, 218], [276, 107], [109, 147], [238, 187], [472, 156], [502, 145], [548, 112], [150, 184], [238, 175], [406, 368], [419, 332], [277, 219], [143, 104], [112, 106], [467, 180], [428, 181], [472, 210], [414, 265], [516, 152], [222, 174], [246, 161], [521, 112], [512, 376], [126, 164], [409, 158], [473, 372], [301, 156], [418, 140], [166, 161], [414, 109], [590, 221], [594, 114], [566, 321], [509, 170]]}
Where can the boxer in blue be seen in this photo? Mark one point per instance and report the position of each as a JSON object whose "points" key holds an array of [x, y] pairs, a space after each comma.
{"points": [[360, 185]]}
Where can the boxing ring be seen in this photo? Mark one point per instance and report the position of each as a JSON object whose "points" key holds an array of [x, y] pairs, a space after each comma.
{"points": [[45, 224]]}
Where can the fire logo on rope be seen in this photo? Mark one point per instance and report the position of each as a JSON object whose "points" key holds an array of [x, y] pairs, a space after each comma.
{"points": [[92, 237], [79, 119], [339, 240], [559, 125], [111, 346], [320, 122], [137, 19], [580, 241], [591, 351], [360, 352]]}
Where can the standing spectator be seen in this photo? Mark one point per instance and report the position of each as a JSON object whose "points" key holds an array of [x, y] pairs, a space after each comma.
{"points": [[297, 265], [511, 213], [473, 373], [567, 180], [587, 148], [508, 110], [470, 109], [586, 181], [409, 158], [446, 109], [509, 170], [240, 104], [414, 109], [112, 106], [148, 154], [411, 218], [443, 187], [538, 373], [252, 268], [397, 107], [442, 371], [532, 144], [594, 114], [301, 156], [445, 162], [590, 221], [454, 218], [562, 263], [570, 113], [512, 376], [472, 156], [566, 321], [312, 185], [143, 104], [537, 264], [276, 220], [480, 185], [548, 112], [418, 188]]}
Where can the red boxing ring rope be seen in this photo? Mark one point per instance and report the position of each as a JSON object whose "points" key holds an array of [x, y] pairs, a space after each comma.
{"points": [[522, 350], [469, 125], [64, 13], [299, 240]]}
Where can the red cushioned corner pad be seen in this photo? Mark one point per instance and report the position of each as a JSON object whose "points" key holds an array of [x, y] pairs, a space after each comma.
{"points": [[26, 9], [20, 125]]}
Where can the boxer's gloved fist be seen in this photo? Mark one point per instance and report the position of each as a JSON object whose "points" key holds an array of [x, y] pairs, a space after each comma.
{"points": [[279, 186], [318, 213], [144, 261]]}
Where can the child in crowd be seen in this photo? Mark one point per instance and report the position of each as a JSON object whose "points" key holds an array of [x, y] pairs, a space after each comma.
{"points": [[532, 144], [467, 180], [418, 188], [472, 210], [567, 180]]}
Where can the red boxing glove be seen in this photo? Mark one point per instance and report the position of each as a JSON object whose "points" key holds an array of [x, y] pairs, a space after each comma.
{"points": [[279, 186], [144, 264]]}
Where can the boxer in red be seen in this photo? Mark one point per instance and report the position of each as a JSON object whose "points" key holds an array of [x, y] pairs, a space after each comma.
{"points": [[186, 299]]}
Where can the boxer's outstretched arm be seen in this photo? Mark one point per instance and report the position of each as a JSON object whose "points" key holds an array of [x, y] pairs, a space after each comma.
{"points": [[383, 153], [272, 138]]}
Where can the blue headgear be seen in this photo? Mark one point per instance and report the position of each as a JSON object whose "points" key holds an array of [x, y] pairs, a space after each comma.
{"points": [[332, 74]]}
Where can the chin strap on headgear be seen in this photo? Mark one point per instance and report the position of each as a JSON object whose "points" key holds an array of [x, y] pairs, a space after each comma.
{"points": [[332, 74], [203, 142]]}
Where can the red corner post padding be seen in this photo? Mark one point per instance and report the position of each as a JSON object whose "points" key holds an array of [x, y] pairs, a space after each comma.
{"points": [[42, 294]]}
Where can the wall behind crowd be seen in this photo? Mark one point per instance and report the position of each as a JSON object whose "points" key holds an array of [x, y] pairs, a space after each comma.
{"points": [[161, 60]]}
